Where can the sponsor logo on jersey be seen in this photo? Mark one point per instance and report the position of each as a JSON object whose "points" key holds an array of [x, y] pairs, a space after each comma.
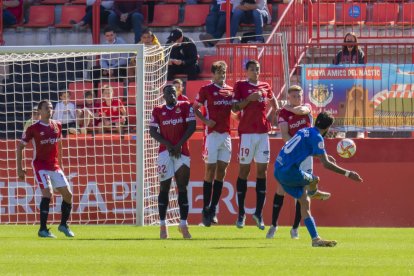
{"points": [[42, 133], [164, 113], [321, 145], [222, 102], [172, 122], [49, 141], [298, 124]]}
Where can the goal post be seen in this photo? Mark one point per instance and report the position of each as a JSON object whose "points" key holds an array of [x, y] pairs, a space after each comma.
{"points": [[111, 168]]}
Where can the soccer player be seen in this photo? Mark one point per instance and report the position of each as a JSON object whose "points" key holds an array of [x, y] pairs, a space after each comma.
{"points": [[176, 123], [296, 181], [46, 136], [179, 87], [217, 99], [292, 117], [252, 97]]}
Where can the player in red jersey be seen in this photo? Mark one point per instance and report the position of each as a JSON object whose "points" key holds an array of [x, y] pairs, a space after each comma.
{"points": [[217, 101], [172, 124], [252, 97], [46, 136], [113, 111]]}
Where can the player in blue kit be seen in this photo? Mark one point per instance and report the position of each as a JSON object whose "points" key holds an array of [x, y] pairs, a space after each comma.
{"points": [[300, 184]]}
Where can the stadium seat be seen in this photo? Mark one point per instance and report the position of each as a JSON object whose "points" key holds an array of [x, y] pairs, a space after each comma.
{"points": [[352, 14], [118, 88], [206, 69], [384, 14], [72, 12], [407, 12], [79, 2], [174, 1], [326, 14], [290, 17], [165, 16], [41, 16], [53, 2], [131, 97], [78, 90], [132, 115], [195, 15]]}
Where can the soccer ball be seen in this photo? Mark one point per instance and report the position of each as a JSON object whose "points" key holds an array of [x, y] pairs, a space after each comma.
{"points": [[346, 148]]}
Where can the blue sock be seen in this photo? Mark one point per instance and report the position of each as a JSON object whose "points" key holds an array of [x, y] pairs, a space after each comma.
{"points": [[310, 224]]}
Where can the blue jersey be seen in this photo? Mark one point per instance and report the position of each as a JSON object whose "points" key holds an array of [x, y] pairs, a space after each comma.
{"points": [[306, 142]]}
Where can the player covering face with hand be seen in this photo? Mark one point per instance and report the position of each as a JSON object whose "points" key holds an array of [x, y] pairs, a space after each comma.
{"points": [[46, 135], [296, 182], [172, 124]]}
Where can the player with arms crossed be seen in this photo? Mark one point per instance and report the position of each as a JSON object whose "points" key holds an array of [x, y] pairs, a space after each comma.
{"points": [[217, 99], [251, 97], [295, 181], [46, 136], [176, 123], [292, 117]]}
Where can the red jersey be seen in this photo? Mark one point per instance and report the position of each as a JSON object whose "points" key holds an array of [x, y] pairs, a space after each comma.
{"points": [[217, 101], [182, 98], [45, 140], [253, 116], [114, 110], [295, 122], [173, 123]]}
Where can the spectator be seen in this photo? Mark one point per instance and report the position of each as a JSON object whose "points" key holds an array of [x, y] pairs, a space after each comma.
{"points": [[149, 39], [179, 87], [65, 112], [35, 117], [105, 8], [250, 11], [183, 57], [350, 54], [127, 15], [111, 65], [112, 110], [12, 12], [215, 23], [88, 114]]}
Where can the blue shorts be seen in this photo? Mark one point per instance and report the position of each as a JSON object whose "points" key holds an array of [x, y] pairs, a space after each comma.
{"points": [[293, 180]]}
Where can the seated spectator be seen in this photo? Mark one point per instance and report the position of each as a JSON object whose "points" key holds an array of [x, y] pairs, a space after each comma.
{"points": [[215, 23], [12, 12], [183, 57], [89, 114], [111, 65], [351, 53], [65, 112], [156, 58], [105, 9], [179, 87], [112, 110], [35, 117], [127, 15], [250, 11]]}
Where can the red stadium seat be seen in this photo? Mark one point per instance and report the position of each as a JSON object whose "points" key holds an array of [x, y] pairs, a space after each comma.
{"points": [[195, 15], [383, 14], [165, 16], [325, 15], [54, 2], [132, 115], [352, 14], [79, 2], [131, 94], [206, 69], [41, 16], [78, 90], [118, 88], [407, 17], [72, 12], [290, 16]]}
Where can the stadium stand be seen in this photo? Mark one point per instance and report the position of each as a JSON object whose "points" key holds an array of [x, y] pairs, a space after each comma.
{"points": [[352, 14], [71, 13], [384, 14], [325, 15], [195, 15], [165, 16], [41, 16]]}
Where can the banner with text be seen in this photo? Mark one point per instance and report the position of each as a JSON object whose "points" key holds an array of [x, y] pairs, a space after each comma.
{"points": [[362, 97]]}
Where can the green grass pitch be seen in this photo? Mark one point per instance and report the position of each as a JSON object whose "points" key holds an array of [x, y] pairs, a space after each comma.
{"points": [[220, 250]]}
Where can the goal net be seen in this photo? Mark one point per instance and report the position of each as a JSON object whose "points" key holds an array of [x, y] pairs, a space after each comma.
{"points": [[108, 156]]}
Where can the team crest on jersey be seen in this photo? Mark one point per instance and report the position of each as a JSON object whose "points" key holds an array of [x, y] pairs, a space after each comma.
{"points": [[114, 108], [249, 91], [42, 133], [164, 113], [178, 110], [321, 95], [215, 93], [321, 145]]}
